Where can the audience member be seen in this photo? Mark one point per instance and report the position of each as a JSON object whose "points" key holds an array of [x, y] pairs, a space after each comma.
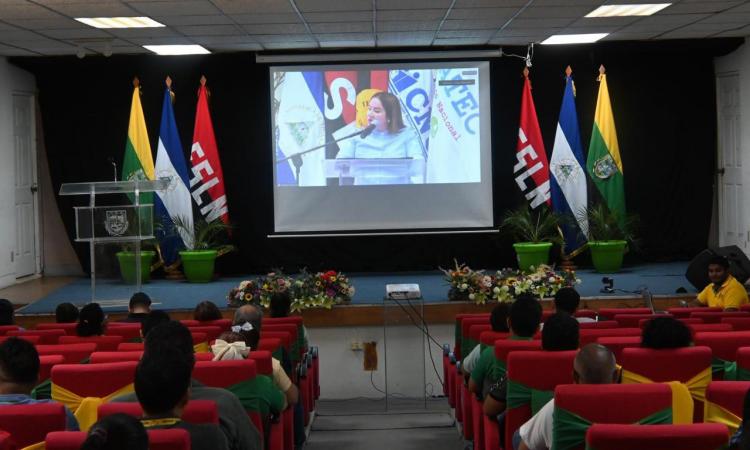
{"points": [[666, 332], [206, 311], [594, 364], [280, 304], [523, 321], [724, 291], [740, 440], [138, 308], [567, 300], [116, 432], [66, 313], [240, 432], [229, 346], [91, 321], [560, 333], [19, 373], [499, 324], [152, 320], [7, 312]]}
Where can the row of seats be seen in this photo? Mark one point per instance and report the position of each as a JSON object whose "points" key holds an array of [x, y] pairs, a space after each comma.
{"points": [[716, 353]]}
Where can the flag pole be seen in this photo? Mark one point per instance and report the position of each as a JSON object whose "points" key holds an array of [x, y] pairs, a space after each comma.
{"points": [[567, 259]]}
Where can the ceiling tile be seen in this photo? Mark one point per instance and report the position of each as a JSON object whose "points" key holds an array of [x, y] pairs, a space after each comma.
{"points": [[239, 47], [512, 41], [389, 39], [44, 24], [555, 12], [745, 7], [341, 27], [407, 26], [269, 38], [184, 8], [529, 32], [347, 44], [83, 33], [413, 4], [471, 24], [176, 40], [459, 41], [276, 28], [254, 6], [215, 19], [592, 3], [663, 23], [222, 40], [599, 22], [736, 32], [729, 17], [210, 30], [128, 33], [407, 15], [346, 16], [703, 7], [679, 34], [16, 34], [343, 36], [27, 11], [289, 45], [328, 5], [94, 9], [500, 14], [265, 18], [587, 30], [455, 34], [625, 36], [479, 4]]}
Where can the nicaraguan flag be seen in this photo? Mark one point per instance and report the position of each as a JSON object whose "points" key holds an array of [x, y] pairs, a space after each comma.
{"points": [[567, 172], [175, 200]]}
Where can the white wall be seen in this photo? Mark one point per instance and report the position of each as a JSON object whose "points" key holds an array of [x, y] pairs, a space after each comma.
{"points": [[738, 62], [12, 79], [341, 369]]}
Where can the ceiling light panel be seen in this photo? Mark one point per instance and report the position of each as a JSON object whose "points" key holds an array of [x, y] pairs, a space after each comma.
{"points": [[177, 49], [120, 22], [560, 39], [643, 9]]}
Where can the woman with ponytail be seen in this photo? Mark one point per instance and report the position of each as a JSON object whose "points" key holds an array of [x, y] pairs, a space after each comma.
{"points": [[116, 432]]}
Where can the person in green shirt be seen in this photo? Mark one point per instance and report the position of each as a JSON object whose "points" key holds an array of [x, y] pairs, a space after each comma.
{"points": [[523, 321]]}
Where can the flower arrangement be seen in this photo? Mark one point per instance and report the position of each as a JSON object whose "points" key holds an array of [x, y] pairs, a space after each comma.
{"points": [[506, 284], [309, 290]]}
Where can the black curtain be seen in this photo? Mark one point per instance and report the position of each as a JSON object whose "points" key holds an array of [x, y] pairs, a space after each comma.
{"points": [[663, 97]]}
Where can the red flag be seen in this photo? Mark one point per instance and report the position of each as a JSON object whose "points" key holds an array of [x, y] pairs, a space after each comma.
{"points": [[207, 182], [532, 169]]}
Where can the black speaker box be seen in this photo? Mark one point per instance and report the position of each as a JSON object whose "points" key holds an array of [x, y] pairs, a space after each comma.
{"points": [[739, 265]]}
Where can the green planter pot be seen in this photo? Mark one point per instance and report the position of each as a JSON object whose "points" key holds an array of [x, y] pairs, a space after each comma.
{"points": [[607, 255], [127, 265], [532, 254], [198, 265]]}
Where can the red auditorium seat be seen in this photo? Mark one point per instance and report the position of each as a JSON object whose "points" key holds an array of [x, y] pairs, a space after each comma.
{"points": [[7, 442], [73, 353], [724, 346], [737, 323], [686, 312], [46, 337], [33, 339], [715, 317], [689, 365], [590, 313], [269, 344], [633, 320], [724, 403], [71, 383], [535, 376], [45, 417], [212, 333], [617, 343], [701, 327], [610, 313], [46, 363], [103, 343], [110, 357], [459, 331], [204, 356], [466, 343], [70, 328], [607, 324], [171, 439], [546, 315], [690, 320], [488, 338], [65, 440], [295, 353], [743, 364], [130, 347], [224, 324], [6, 328], [585, 404], [128, 333], [699, 436], [587, 336], [196, 411]]}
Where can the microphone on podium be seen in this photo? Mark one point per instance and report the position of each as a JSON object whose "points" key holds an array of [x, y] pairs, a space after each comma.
{"points": [[367, 131], [111, 160]]}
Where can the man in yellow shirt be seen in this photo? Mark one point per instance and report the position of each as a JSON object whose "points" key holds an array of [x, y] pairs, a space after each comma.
{"points": [[724, 291]]}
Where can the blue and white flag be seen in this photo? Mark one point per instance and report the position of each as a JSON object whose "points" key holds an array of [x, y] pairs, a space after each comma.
{"points": [[568, 175], [415, 90], [175, 201]]}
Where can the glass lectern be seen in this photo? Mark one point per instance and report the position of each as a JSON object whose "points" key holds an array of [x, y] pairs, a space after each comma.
{"points": [[120, 224], [364, 171]]}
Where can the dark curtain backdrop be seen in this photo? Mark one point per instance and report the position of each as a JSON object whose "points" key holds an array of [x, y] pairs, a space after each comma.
{"points": [[663, 97]]}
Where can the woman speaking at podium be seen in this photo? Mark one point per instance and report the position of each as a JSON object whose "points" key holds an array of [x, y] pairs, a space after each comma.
{"points": [[389, 138]]}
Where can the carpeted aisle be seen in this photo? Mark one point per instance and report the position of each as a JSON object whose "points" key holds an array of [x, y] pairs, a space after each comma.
{"points": [[365, 425]]}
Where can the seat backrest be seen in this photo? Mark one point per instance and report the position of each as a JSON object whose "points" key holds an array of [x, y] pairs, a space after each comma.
{"points": [[723, 344], [686, 312], [610, 313], [65, 440], [46, 337], [607, 324], [504, 347], [700, 327], [284, 338], [263, 363], [70, 327], [546, 314], [617, 343], [33, 339], [466, 343], [168, 439], [200, 337], [46, 363], [458, 331], [196, 411], [7, 442], [130, 347], [715, 317], [129, 332], [292, 330], [29, 424], [93, 380], [269, 344], [103, 343], [475, 331], [699, 436], [223, 374], [73, 353], [204, 356], [729, 395], [676, 364], [737, 323], [590, 313], [6, 328], [212, 332], [110, 357], [633, 320], [537, 370], [489, 337], [690, 320], [587, 336], [610, 403], [743, 364], [224, 324]]}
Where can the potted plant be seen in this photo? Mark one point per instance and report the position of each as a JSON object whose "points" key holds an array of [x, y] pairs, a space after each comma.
{"points": [[535, 232], [204, 242], [608, 237], [126, 258]]}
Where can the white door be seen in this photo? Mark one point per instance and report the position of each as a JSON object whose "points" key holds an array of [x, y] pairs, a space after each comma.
{"points": [[24, 254], [732, 229]]}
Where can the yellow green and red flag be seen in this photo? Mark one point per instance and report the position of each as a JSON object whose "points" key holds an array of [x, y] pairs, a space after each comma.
{"points": [[138, 162]]}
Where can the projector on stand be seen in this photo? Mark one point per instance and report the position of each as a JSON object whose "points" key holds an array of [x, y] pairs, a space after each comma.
{"points": [[402, 291]]}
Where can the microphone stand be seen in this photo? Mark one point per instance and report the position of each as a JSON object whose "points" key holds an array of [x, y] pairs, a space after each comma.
{"points": [[297, 157]]}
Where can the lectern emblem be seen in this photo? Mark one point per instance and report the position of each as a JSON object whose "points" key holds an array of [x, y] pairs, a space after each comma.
{"points": [[117, 222]]}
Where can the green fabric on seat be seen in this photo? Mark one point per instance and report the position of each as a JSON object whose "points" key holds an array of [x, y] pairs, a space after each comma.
{"points": [[569, 429], [519, 395]]}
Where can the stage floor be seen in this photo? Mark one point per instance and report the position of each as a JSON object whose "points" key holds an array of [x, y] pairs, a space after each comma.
{"points": [[661, 279]]}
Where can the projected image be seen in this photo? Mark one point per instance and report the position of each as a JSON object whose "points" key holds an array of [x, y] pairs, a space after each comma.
{"points": [[376, 127]]}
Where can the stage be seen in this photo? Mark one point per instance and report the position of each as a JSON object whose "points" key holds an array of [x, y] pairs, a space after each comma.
{"points": [[662, 279]]}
